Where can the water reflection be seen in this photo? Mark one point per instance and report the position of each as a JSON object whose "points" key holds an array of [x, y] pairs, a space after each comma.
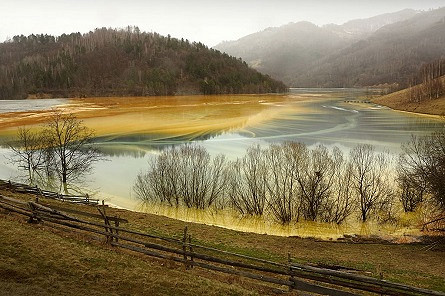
{"points": [[329, 118], [138, 145], [230, 219]]}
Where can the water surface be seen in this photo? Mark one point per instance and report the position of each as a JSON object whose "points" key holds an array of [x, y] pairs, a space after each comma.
{"points": [[130, 131]]}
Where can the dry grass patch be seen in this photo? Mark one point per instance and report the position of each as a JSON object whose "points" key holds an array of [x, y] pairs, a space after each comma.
{"points": [[400, 101]]}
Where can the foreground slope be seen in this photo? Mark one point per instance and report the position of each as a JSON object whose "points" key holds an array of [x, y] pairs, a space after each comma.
{"points": [[42, 259], [110, 62], [44, 262]]}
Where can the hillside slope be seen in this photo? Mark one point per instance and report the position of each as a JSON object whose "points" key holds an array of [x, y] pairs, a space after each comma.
{"points": [[284, 51], [391, 55], [383, 49], [38, 261], [401, 101], [110, 62]]}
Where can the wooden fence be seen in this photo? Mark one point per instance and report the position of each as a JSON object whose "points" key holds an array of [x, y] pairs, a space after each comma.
{"points": [[35, 190], [300, 277]]}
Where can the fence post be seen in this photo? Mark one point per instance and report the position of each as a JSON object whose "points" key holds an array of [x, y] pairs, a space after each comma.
{"points": [[106, 222], [291, 278], [191, 250], [116, 223], [184, 246], [380, 273], [41, 192], [34, 219]]}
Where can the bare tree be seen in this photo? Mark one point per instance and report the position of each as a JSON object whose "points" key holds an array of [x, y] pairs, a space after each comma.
{"points": [[370, 172], [423, 162], [341, 203], [186, 175], [60, 149], [142, 187], [436, 166], [69, 143], [412, 187], [315, 177], [159, 183], [285, 180], [248, 183], [28, 153], [219, 181], [202, 180], [283, 163]]}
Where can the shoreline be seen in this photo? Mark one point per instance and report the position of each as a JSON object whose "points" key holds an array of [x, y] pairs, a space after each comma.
{"points": [[398, 237], [398, 101], [434, 116]]}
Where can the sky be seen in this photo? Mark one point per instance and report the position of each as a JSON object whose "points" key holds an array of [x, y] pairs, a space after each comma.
{"points": [[206, 21]]}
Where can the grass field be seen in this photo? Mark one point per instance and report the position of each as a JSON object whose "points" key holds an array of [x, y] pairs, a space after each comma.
{"points": [[42, 259]]}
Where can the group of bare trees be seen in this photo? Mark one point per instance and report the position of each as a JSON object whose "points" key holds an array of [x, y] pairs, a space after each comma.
{"points": [[430, 84], [421, 171], [287, 181], [59, 150], [186, 175], [371, 180]]}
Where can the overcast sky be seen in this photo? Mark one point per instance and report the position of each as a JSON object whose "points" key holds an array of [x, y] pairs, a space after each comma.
{"points": [[207, 21]]}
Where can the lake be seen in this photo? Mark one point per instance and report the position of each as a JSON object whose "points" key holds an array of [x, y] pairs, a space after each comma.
{"points": [[130, 131]]}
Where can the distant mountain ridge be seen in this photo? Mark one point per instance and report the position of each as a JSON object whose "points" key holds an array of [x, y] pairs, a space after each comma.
{"points": [[383, 49], [277, 51], [361, 28], [391, 55]]}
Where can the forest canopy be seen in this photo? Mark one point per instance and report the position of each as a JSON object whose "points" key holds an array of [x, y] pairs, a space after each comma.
{"points": [[112, 62]]}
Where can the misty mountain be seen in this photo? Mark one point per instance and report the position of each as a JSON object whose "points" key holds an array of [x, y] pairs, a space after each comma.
{"points": [[280, 51], [362, 28], [392, 54], [110, 62], [382, 49]]}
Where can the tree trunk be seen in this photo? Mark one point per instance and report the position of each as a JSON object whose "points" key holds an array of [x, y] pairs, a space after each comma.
{"points": [[64, 181]]}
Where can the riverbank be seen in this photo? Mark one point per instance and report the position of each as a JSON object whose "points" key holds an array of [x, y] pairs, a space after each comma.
{"points": [[31, 263], [399, 101]]}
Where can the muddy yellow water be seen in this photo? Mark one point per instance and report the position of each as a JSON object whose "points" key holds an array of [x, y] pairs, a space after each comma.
{"points": [[264, 225], [406, 230], [131, 130], [174, 116]]}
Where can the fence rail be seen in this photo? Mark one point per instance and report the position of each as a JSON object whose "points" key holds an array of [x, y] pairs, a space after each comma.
{"points": [[300, 277], [35, 190]]}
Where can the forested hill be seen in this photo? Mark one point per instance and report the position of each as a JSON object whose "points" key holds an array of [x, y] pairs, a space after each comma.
{"points": [[109, 62]]}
